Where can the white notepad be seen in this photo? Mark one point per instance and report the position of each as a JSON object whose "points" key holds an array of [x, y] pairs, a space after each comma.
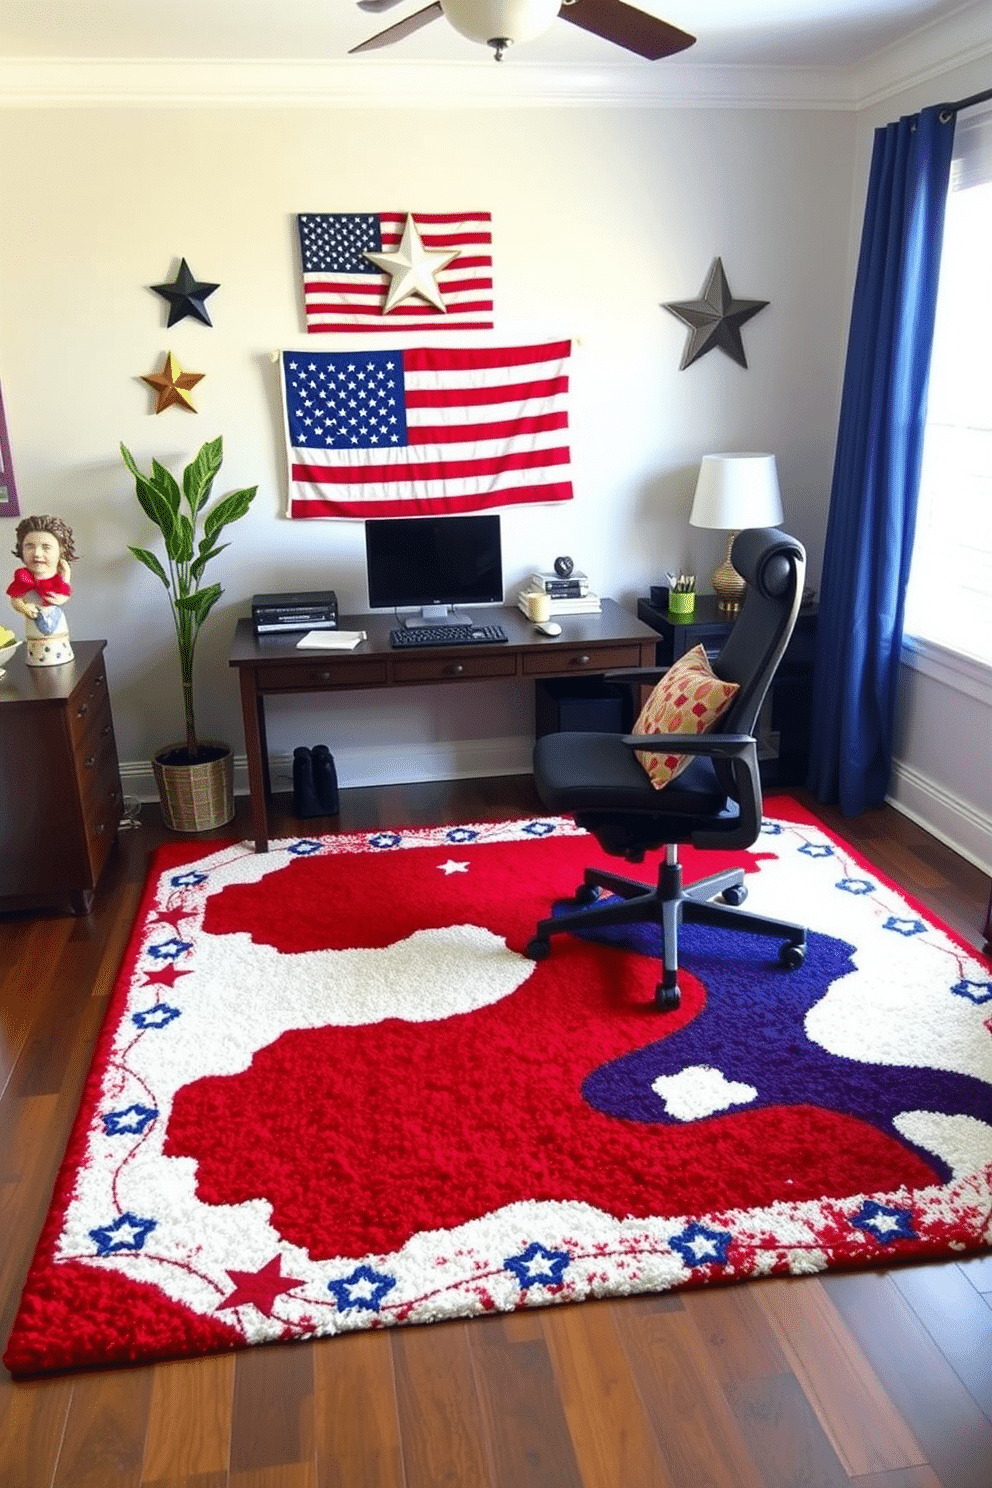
{"points": [[331, 640]]}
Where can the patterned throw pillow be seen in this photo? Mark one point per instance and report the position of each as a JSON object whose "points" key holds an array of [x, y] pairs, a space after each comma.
{"points": [[688, 700]]}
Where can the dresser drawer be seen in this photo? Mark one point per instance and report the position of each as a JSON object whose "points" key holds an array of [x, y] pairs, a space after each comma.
{"points": [[88, 704], [552, 661], [447, 668], [318, 674]]}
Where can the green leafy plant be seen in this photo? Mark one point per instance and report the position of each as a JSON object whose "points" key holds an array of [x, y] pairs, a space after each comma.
{"points": [[179, 514]]}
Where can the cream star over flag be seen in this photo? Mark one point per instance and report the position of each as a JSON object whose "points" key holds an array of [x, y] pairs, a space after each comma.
{"points": [[413, 269]]}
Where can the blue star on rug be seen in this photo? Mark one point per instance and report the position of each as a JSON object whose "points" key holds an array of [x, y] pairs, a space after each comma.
{"points": [[128, 1232], [885, 1221], [131, 1122], [364, 1289], [156, 1017], [537, 1266], [698, 1245]]}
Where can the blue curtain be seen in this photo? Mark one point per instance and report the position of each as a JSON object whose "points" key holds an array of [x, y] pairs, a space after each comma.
{"points": [[876, 478]]}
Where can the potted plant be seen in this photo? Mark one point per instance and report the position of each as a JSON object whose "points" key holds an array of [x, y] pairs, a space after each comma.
{"points": [[196, 779]]}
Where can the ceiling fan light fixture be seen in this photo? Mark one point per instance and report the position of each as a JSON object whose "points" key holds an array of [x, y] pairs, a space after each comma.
{"points": [[499, 23]]}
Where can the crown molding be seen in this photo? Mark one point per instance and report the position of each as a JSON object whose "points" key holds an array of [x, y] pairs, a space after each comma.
{"points": [[957, 40], [356, 83]]}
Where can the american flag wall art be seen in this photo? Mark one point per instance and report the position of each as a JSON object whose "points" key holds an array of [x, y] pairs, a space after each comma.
{"points": [[345, 292], [422, 430]]}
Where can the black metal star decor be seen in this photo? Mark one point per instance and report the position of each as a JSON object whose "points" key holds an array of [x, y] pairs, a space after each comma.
{"points": [[186, 296], [715, 319]]}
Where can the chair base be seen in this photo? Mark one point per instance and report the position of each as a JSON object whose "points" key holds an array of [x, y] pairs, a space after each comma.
{"points": [[668, 906]]}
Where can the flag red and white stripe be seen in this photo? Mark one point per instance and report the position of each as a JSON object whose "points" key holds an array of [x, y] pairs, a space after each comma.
{"points": [[343, 291], [426, 429]]}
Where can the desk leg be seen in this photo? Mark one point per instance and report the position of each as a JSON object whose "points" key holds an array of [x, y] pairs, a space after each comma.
{"points": [[253, 717]]}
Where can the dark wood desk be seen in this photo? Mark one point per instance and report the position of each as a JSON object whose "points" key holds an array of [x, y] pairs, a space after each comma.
{"points": [[588, 645]]}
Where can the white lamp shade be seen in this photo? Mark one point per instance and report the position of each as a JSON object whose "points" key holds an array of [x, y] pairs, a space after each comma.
{"points": [[737, 491], [516, 20]]}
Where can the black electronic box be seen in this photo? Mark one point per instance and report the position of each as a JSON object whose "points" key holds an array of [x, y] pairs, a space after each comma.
{"points": [[315, 609]]}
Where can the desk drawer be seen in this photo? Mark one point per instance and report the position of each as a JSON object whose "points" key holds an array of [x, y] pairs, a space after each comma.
{"points": [[552, 661], [316, 674], [459, 667]]}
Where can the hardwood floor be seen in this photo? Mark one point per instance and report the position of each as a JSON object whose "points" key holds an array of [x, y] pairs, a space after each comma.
{"points": [[881, 1378]]}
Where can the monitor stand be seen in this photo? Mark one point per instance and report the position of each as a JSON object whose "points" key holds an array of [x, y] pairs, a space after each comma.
{"points": [[437, 615]]}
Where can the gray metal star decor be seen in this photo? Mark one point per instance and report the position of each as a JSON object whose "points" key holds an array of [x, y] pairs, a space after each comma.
{"points": [[186, 296], [715, 319]]}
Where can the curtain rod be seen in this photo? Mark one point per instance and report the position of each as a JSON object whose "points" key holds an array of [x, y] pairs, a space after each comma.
{"points": [[948, 110]]}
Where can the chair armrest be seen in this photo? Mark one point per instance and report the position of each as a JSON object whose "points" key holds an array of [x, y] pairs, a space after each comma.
{"points": [[724, 746], [741, 753]]}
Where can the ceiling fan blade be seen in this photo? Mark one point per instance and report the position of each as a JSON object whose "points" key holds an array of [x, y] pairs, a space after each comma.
{"points": [[634, 30], [400, 29]]}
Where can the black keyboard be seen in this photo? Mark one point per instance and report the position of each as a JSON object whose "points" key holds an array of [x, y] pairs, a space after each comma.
{"points": [[447, 635]]}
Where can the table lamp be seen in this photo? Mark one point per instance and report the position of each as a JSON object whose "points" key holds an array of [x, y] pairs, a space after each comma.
{"points": [[734, 492]]}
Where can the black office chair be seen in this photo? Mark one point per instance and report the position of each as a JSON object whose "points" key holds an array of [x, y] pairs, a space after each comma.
{"points": [[714, 803]]}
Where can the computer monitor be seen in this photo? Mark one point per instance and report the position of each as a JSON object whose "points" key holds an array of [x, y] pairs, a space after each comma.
{"points": [[435, 563]]}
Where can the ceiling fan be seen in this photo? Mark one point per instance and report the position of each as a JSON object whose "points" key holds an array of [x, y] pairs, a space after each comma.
{"points": [[500, 23]]}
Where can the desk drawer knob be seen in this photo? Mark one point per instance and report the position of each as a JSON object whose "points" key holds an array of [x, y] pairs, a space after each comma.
{"points": [[582, 660], [454, 670], [82, 710], [323, 676]]}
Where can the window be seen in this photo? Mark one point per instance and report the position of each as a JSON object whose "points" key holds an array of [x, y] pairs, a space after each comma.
{"points": [[949, 599]]}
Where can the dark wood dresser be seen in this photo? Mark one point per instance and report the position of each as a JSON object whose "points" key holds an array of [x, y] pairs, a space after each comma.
{"points": [[60, 785]]}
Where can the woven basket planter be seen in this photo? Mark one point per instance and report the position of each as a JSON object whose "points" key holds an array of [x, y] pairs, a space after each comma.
{"points": [[195, 797]]}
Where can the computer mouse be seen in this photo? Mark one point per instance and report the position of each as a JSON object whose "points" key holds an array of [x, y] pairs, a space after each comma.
{"points": [[548, 627]]}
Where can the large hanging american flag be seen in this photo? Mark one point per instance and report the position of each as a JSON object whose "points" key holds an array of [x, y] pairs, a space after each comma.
{"points": [[345, 291], [426, 429]]}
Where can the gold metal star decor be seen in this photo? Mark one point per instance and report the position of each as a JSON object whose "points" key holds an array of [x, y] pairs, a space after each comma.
{"points": [[173, 384], [715, 319], [413, 269]]}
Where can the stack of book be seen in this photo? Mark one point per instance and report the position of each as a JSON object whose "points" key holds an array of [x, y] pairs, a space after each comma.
{"points": [[571, 596]]}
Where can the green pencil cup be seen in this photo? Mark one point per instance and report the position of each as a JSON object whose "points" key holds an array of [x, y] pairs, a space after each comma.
{"points": [[681, 602]]}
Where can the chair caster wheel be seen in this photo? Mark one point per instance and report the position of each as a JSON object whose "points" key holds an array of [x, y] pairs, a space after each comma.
{"points": [[586, 894], [734, 896], [792, 956], [537, 950], [666, 999]]}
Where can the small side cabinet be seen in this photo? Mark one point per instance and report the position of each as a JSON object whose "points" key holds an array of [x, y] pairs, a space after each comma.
{"points": [[783, 755], [60, 785]]}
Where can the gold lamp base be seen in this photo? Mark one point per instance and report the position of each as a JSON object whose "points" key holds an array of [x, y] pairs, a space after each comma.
{"points": [[728, 586]]}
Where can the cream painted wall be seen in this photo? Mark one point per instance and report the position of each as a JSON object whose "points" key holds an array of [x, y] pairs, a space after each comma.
{"points": [[942, 748], [599, 215]]}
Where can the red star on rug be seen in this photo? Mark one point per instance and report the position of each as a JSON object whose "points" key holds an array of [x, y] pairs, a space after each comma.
{"points": [[164, 978], [169, 917], [260, 1288]]}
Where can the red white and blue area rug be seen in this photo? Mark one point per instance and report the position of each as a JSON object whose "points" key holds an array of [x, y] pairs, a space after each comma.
{"points": [[332, 1094]]}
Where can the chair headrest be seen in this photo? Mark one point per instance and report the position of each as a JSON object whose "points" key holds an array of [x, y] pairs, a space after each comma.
{"points": [[764, 557]]}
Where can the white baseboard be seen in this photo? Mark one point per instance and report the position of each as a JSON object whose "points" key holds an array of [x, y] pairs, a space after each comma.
{"points": [[951, 820], [957, 823], [384, 764]]}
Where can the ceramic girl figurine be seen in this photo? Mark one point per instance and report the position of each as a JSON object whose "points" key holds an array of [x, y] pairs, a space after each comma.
{"points": [[40, 589]]}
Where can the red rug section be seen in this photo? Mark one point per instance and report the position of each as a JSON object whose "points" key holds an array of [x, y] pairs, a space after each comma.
{"points": [[358, 1143], [453, 1119]]}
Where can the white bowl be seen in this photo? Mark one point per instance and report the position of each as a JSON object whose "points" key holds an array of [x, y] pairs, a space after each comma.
{"points": [[6, 652]]}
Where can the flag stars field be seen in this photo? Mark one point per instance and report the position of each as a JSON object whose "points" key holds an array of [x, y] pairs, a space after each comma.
{"points": [[426, 429]]}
